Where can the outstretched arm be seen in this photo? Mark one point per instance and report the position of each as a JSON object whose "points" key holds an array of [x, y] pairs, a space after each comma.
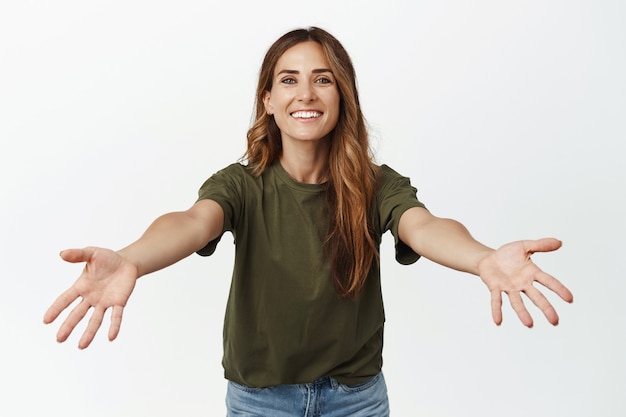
{"points": [[508, 269], [108, 278]]}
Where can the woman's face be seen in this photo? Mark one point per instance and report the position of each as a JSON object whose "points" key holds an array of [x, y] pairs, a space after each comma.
{"points": [[304, 98]]}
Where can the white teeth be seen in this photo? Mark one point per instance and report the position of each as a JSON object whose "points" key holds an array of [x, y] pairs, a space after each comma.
{"points": [[306, 114]]}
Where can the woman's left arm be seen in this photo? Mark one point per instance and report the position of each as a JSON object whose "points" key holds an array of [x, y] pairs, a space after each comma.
{"points": [[508, 269]]}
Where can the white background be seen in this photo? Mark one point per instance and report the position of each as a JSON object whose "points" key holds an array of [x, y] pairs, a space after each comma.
{"points": [[508, 116]]}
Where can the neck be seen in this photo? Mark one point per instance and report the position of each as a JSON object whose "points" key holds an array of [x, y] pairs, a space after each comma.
{"points": [[307, 162]]}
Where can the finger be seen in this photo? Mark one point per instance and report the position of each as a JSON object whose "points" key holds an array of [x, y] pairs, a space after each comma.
{"points": [[92, 328], [547, 244], [543, 304], [518, 306], [60, 304], [72, 320], [555, 285], [116, 321], [496, 306], [77, 255]]}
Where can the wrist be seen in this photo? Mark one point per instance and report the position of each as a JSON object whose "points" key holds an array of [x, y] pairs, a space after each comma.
{"points": [[127, 257], [481, 257]]}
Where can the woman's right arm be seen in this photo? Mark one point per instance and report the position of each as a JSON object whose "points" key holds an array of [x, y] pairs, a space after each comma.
{"points": [[108, 278], [175, 236]]}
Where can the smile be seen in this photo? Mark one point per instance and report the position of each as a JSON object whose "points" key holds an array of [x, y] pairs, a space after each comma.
{"points": [[306, 114]]}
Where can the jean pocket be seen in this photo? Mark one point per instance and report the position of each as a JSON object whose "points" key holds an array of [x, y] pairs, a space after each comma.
{"points": [[362, 386]]}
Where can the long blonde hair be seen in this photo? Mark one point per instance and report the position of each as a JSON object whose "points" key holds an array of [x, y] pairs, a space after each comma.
{"points": [[352, 174]]}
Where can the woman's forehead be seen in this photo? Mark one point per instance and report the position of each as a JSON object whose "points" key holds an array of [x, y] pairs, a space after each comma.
{"points": [[307, 55]]}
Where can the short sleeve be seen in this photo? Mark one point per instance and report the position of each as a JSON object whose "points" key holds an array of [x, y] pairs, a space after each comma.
{"points": [[225, 188], [395, 196]]}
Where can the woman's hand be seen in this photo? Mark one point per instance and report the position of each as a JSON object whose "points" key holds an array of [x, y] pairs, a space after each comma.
{"points": [[511, 270], [106, 282], [109, 277]]}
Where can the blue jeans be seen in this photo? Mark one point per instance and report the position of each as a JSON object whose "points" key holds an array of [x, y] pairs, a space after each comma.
{"points": [[325, 397]]}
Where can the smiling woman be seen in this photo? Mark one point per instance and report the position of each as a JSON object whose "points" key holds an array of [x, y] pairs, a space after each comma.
{"points": [[303, 99], [303, 332], [342, 159]]}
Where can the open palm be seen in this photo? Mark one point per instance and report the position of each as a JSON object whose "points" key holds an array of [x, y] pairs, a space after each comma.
{"points": [[106, 282], [510, 270]]}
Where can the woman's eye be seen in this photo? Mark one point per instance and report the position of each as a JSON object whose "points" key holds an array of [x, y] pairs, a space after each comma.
{"points": [[288, 81], [323, 80]]}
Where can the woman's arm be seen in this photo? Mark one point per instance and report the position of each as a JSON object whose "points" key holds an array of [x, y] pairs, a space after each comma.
{"points": [[508, 269], [175, 236], [109, 277]]}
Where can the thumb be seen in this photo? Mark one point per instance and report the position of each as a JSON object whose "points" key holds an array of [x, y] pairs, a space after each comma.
{"points": [[547, 244], [76, 255]]}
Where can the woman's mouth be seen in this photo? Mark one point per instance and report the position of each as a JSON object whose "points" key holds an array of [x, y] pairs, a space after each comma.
{"points": [[306, 114]]}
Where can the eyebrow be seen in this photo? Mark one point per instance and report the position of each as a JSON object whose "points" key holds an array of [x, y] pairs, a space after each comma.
{"points": [[315, 71]]}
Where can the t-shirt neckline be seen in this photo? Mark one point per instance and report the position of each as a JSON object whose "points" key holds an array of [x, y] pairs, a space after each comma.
{"points": [[288, 179]]}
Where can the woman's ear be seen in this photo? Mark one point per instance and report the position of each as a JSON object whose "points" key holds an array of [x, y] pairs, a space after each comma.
{"points": [[266, 102]]}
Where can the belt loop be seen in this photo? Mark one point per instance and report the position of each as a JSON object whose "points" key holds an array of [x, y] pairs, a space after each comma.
{"points": [[334, 384]]}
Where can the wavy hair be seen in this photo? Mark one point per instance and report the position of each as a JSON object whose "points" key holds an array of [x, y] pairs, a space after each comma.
{"points": [[352, 174]]}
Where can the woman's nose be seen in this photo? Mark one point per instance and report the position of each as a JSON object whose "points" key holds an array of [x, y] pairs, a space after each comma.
{"points": [[306, 92]]}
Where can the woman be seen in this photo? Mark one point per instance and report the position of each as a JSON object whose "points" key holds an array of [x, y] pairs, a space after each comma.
{"points": [[304, 322]]}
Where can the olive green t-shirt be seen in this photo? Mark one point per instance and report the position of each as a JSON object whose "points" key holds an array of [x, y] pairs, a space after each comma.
{"points": [[284, 322]]}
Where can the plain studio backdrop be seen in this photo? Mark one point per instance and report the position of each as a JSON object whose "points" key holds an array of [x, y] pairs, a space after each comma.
{"points": [[507, 115]]}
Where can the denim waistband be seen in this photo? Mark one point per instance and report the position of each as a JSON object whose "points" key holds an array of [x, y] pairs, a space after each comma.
{"points": [[326, 380]]}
